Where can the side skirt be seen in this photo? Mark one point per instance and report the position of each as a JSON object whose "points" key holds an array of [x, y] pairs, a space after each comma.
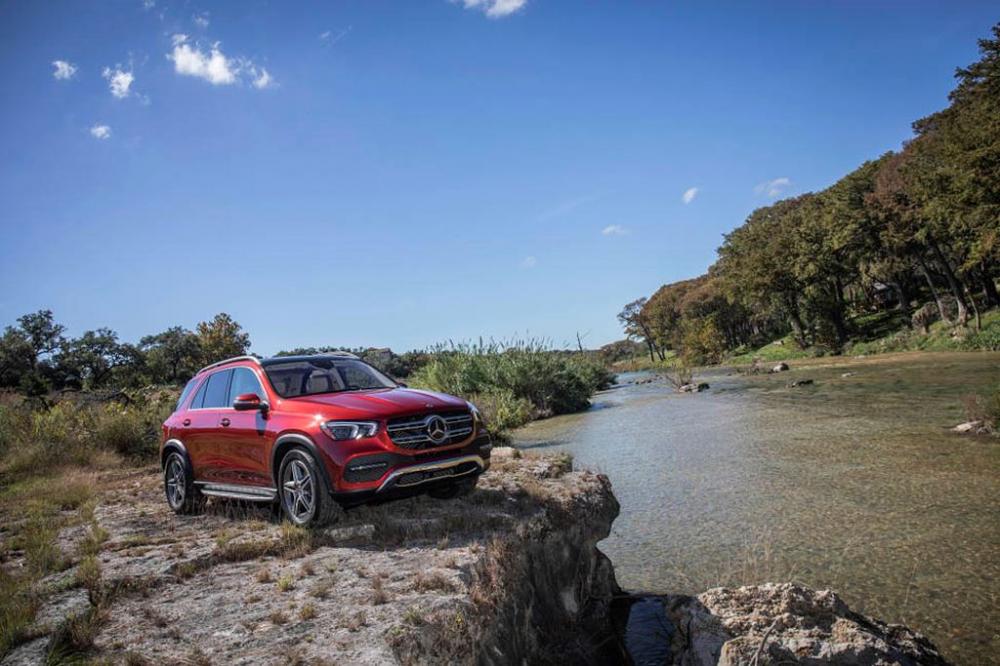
{"points": [[249, 493]]}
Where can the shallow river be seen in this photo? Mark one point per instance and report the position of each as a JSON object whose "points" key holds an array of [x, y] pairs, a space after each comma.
{"points": [[852, 483]]}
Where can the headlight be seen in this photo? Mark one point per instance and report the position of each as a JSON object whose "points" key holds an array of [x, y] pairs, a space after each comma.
{"points": [[343, 430]]}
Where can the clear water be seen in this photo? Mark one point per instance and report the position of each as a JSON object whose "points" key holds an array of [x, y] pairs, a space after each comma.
{"points": [[853, 484]]}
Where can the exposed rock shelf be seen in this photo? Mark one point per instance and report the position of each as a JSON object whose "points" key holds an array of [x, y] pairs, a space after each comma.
{"points": [[508, 575]]}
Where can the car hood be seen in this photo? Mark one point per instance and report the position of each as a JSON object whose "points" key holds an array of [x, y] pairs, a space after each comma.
{"points": [[378, 403]]}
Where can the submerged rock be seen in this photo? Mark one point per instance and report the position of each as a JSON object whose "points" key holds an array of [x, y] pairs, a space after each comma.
{"points": [[786, 624], [800, 382]]}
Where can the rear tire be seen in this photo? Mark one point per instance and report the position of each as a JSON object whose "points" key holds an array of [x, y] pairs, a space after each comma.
{"points": [[453, 490], [305, 500], [178, 485]]}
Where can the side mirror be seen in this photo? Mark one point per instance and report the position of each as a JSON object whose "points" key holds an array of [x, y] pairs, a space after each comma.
{"points": [[249, 402]]}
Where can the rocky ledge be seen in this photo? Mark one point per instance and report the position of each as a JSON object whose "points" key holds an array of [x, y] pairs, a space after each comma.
{"points": [[508, 575]]}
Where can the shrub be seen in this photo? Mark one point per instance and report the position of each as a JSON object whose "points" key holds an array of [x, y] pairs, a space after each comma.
{"points": [[985, 408], [514, 375]]}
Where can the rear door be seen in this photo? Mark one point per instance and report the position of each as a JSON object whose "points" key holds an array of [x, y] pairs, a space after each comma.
{"points": [[204, 440], [245, 443]]}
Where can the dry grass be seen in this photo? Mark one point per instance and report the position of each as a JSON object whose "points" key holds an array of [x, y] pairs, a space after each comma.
{"points": [[286, 583], [307, 612], [264, 575], [379, 594]]}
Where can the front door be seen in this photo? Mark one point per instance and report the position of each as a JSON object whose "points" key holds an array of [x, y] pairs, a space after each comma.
{"points": [[245, 441]]}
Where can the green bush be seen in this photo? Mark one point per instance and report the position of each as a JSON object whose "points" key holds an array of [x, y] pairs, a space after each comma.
{"points": [[511, 376]]}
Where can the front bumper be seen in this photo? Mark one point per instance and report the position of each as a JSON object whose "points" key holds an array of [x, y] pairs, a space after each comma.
{"points": [[385, 475]]}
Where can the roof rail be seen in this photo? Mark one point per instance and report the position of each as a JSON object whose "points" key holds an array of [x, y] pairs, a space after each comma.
{"points": [[229, 360]]}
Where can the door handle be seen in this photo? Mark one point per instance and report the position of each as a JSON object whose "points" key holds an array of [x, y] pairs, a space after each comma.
{"points": [[225, 423], [186, 422]]}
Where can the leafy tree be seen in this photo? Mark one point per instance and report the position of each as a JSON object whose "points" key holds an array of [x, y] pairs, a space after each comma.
{"points": [[637, 326], [173, 356], [89, 361], [222, 338]]}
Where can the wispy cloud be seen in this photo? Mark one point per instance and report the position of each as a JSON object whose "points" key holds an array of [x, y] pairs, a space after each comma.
{"points": [[148, 4], [63, 70], [262, 79], [329, 38], [214, 66], [614, 230], [100, 132], [773, 188], [529, 262], [493, 8], [201, 20], [565, 207], [119, 80], [689, 195]]}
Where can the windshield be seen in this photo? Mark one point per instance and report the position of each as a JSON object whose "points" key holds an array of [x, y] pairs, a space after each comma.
{"points": [[297, 378]]}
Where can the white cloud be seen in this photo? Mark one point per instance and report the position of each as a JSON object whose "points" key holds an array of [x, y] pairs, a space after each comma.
{"points": [[119, 81], [63, 70], [263, 80], [200, 20], [689, 195], [100, 132], [215, 66], [148, 4], [773, 188], [614, 230], [529, 262], [494, 8], [325, 35]]}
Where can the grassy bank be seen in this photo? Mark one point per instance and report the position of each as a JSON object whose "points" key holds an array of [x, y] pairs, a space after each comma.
{"points": [[49, 453], [514, 382]]}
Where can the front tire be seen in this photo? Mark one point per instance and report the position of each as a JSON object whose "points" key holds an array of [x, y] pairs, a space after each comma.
{"points": [[302, 492], [178, 485]]}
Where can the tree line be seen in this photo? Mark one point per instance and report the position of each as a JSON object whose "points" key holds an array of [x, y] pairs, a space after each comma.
{"points": [[37, 357], [914, 234]]}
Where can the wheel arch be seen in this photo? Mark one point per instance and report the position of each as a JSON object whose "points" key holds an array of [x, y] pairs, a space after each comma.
{"points": [[175, 446], [285, 443]]}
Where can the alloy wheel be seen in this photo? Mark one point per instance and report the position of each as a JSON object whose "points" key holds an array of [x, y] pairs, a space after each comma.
{"points": [[176, 482], [298, 491]]}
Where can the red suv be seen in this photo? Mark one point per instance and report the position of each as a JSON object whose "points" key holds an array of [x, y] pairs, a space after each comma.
{"points": [[316, 433]]}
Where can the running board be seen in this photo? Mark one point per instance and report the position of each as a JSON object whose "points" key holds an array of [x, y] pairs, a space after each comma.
{"points": [[249, 493]]}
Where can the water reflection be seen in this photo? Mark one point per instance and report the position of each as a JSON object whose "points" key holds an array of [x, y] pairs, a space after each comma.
{"points": [[852, 483]]}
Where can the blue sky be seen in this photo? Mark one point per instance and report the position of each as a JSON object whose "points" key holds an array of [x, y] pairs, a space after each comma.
{"points": [[375, 173]]}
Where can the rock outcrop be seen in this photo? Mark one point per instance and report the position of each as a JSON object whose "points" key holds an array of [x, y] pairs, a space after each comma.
{"points": [[503, 576], [784, 624]]}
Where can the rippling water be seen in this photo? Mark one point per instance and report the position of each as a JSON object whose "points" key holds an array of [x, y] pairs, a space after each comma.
{"points": [[853, 483]]}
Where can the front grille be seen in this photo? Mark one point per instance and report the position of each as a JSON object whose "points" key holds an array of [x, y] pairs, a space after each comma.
{"points": [[411, 432]]}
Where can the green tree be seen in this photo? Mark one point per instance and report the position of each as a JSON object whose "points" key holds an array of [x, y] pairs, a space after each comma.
{"points": [[173, 356], [222, 338]]}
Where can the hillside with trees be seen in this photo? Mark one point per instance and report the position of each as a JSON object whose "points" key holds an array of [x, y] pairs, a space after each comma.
{"points": [[906, 240]]}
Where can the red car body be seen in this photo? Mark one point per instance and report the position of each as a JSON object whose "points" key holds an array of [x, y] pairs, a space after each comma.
{"points": [[236, 450]]}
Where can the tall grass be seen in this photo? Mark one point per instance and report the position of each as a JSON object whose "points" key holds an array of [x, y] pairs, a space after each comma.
{"points": [[515, 381]]}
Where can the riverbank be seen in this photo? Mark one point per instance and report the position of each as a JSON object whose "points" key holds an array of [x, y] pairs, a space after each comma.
{"points": [[853, 483], [508, 575]]}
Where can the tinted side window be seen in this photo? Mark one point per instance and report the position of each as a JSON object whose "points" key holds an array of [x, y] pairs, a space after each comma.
{"points": [[185, 393], [244, 381], [217, 390], [199, 397]]}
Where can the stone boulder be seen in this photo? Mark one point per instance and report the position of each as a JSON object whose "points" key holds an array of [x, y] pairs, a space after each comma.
{"points": [[781, 367], [786, 624]]}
